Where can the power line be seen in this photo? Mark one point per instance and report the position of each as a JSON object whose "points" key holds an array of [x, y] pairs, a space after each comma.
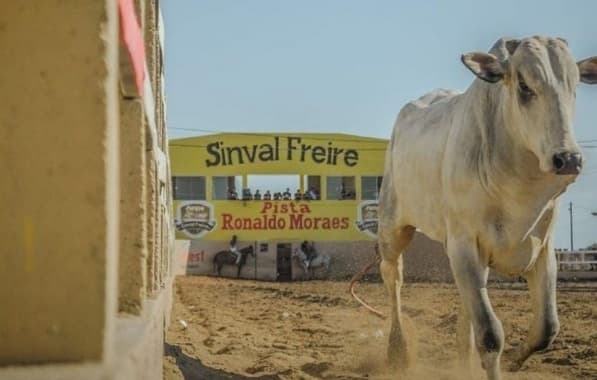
{"points": [[357, 139], [280, 148], [583, 207], [360, 149], [193, 129]]}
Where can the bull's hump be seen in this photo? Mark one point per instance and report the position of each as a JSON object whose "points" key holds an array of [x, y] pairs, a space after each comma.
{"points": [[432, 98], [436, 96]]}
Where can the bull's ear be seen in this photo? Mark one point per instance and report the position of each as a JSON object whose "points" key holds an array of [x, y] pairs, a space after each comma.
{"points": [[485, 66], [511, 45], [588, 70]]}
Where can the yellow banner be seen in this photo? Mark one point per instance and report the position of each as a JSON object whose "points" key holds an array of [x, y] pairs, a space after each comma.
{"points": [[245, 154], [277, 220]]}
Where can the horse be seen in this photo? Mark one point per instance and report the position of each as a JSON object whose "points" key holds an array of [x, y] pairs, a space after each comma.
{"points": [[320, 261], [227, 258]]}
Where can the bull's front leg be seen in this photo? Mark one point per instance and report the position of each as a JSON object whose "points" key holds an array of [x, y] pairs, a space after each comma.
{"points": [[392, 243], [465, 340], [541, 279], [470, 274]]}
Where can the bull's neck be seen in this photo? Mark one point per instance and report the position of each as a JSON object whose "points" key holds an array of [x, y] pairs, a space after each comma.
{"points": [[508, 172]]}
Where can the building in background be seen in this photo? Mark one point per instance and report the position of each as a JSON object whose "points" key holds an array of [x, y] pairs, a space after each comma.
{"points": [[86, 231], [334, 207]]}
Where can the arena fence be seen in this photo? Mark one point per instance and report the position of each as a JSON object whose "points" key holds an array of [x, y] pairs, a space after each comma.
{"points": [[572, 261]]}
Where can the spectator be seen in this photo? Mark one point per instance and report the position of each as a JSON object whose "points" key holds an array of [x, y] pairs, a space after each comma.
{"points": [[267, 196], [257, 195], [287, 195], [347, 194], [232, 195], [298, 196], [247, 195]]}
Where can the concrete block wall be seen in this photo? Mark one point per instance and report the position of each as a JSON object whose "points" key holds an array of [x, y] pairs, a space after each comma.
{"points": [[133, 210], [85, 280], [59, 161]]}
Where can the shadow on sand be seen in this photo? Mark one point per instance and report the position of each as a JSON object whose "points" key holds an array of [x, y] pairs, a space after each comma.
{"points": [[193, 369]]}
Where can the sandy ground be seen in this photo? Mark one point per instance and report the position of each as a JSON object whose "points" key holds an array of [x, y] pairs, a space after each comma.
{"points": [[314, 330]]}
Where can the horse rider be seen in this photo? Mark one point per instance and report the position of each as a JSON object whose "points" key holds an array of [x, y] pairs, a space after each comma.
{"points": [[304, 249], [309, 251], [234, 250]]}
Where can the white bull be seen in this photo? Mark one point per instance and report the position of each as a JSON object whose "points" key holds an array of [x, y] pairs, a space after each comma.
{"points": [[481, 172]]}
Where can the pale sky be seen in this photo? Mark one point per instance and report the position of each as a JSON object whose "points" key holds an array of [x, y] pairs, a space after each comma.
{"points": [[349, 66]]}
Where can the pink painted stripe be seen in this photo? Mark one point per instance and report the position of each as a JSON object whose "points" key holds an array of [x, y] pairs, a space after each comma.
{"points": [[131, 37]]}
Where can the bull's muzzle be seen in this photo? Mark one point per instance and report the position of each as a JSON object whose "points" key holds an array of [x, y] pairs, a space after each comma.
{"points": [[567, 163]]}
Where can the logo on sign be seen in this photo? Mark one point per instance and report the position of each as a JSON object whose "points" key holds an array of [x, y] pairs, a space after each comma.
{"points": [[367, 220], [195, 218]]}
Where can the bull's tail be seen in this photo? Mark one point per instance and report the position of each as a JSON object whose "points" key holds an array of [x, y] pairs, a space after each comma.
{"points": [[356, 279]]}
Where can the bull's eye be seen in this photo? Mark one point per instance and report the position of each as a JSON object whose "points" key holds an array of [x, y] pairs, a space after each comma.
{"points": [[526, 93]]}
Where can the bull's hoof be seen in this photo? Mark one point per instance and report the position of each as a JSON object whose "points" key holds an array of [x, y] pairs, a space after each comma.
{"points": [[398, 359], [398, 352], [514, 366], [398, 364], [513, 359]]}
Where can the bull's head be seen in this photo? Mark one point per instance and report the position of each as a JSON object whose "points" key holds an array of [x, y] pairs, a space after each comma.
{"points": [[538, 79]]}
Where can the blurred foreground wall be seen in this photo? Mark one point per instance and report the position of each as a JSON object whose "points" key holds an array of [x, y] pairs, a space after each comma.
{"points": [[86, 242]]}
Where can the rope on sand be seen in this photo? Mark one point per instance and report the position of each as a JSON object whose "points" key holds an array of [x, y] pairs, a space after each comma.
{"points": [[356, 278]]}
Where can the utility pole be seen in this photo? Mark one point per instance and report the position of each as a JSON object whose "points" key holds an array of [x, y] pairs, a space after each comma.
{"points": [[571, 229]]}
